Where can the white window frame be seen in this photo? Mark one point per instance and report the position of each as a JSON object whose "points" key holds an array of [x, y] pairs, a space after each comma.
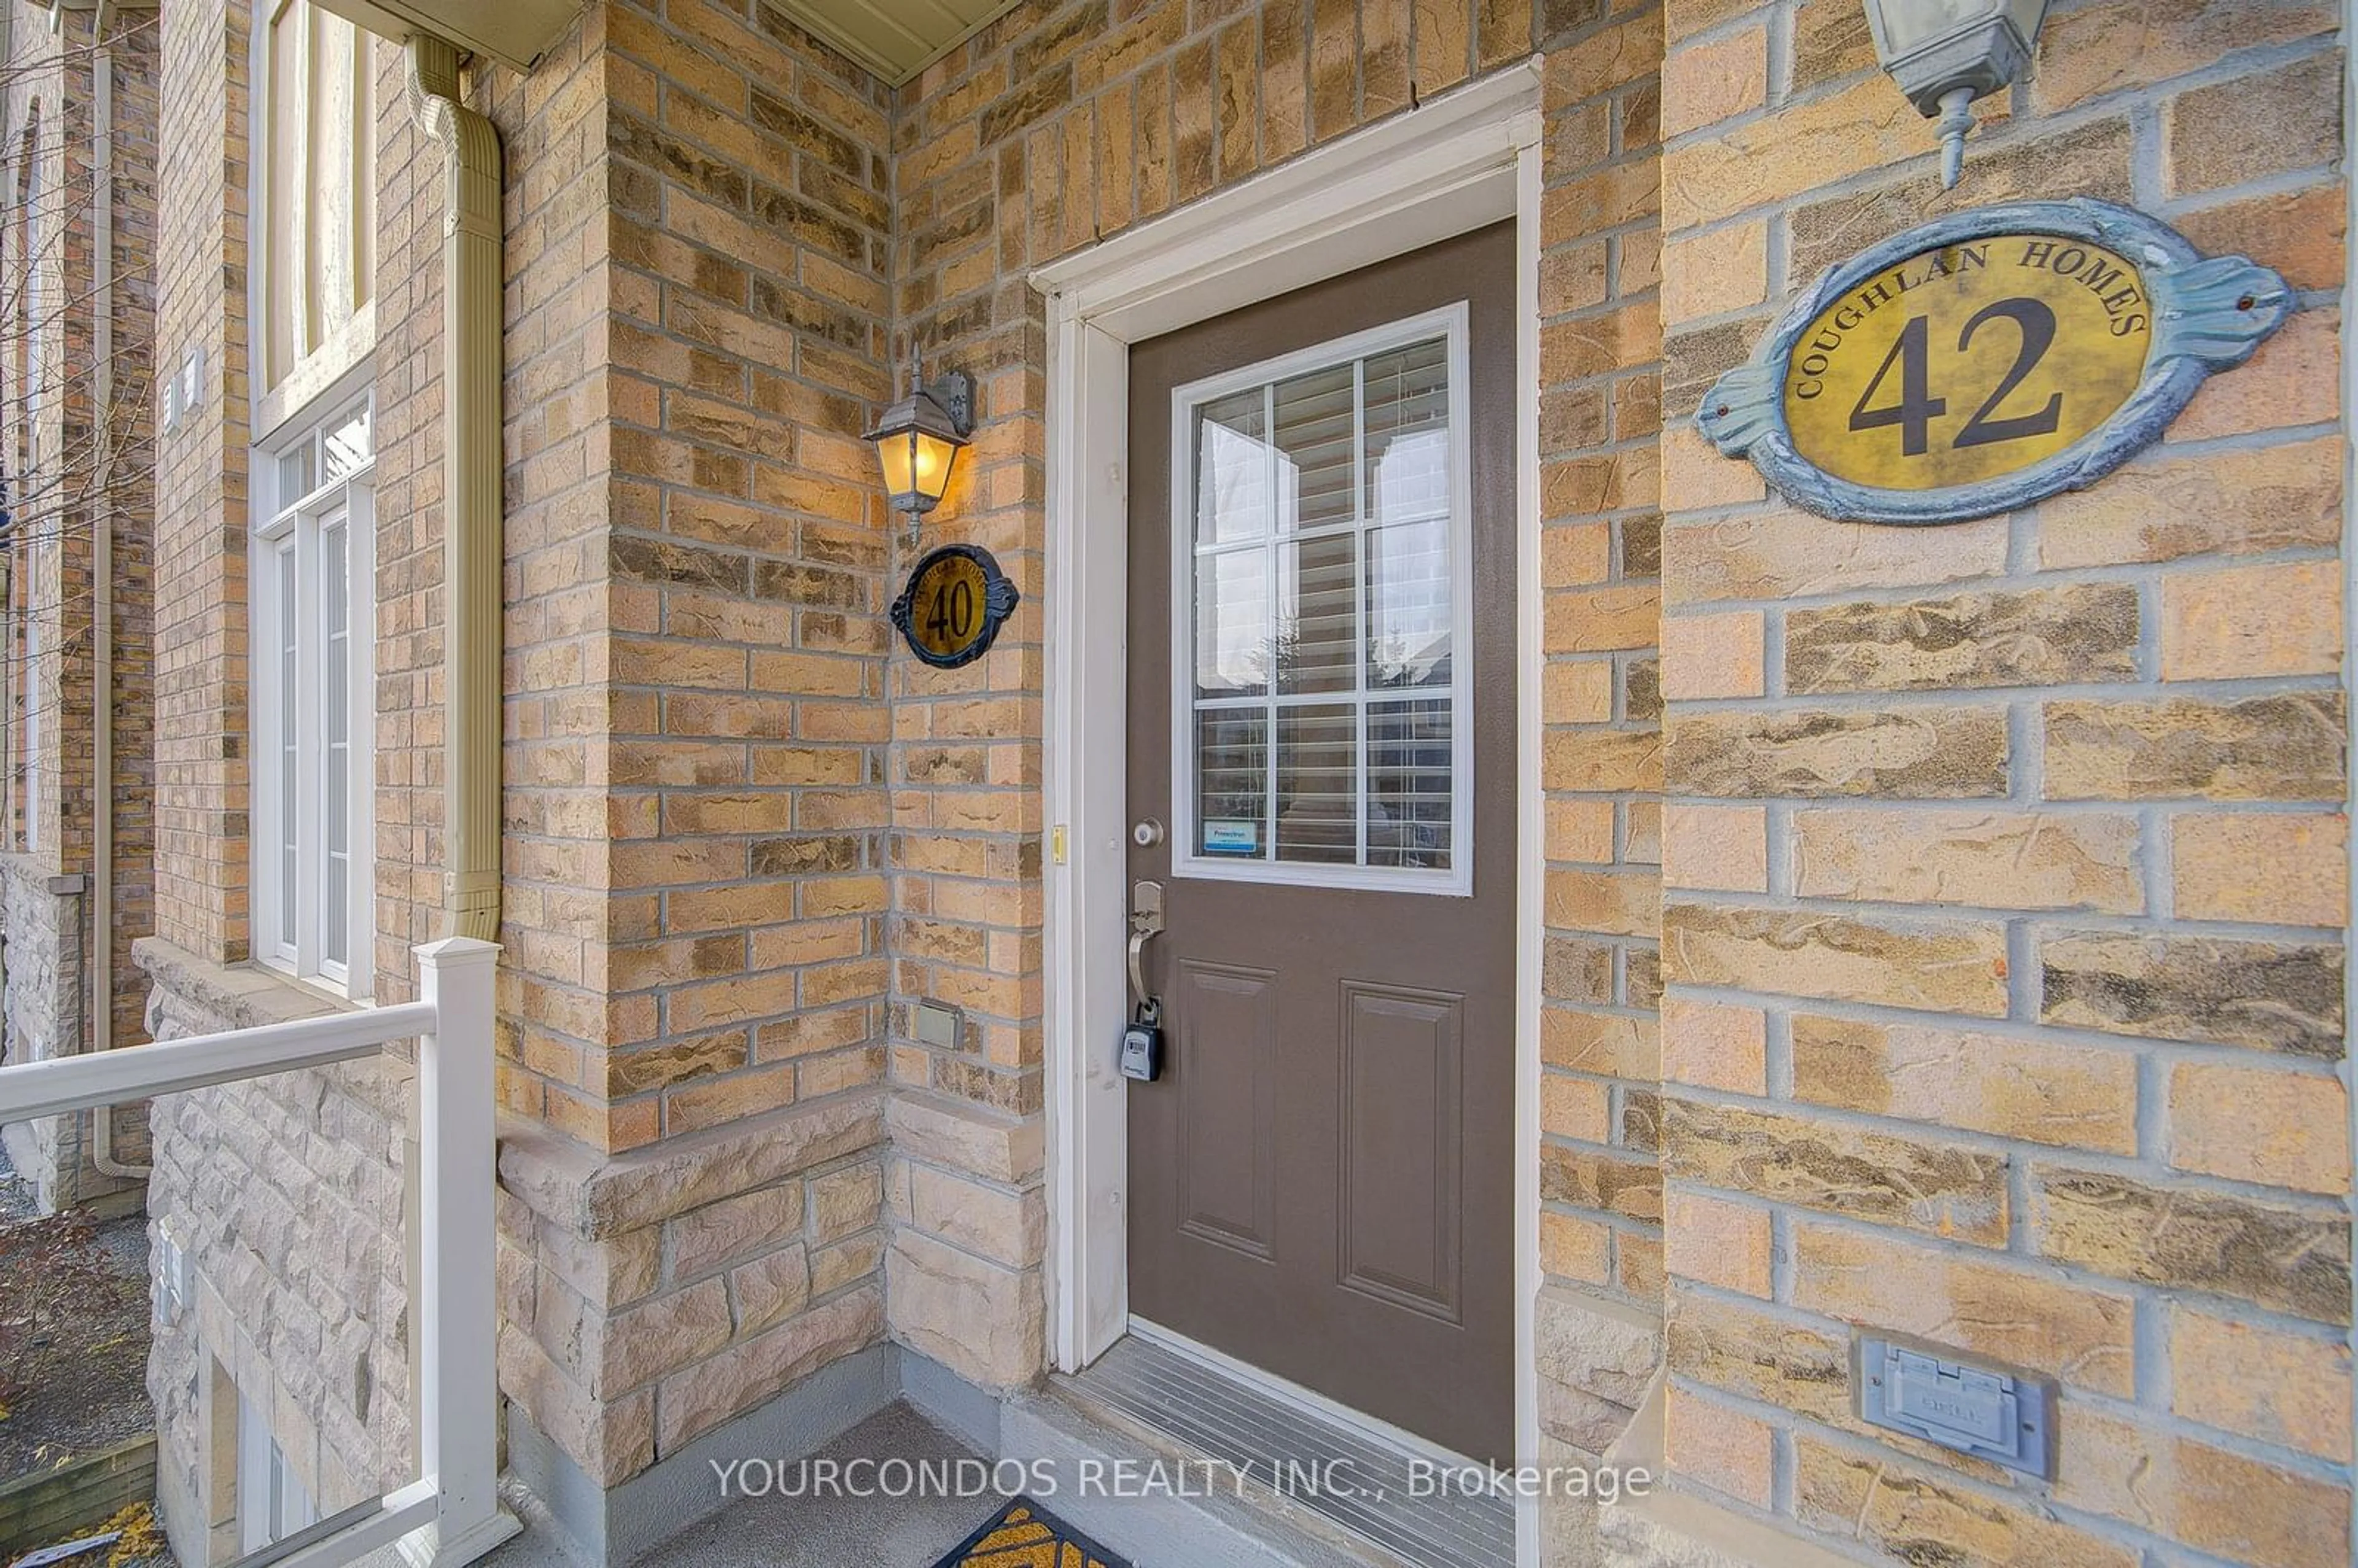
{"points": [[278, 405], [271, 1503], [296, 523], [1186, 860]]}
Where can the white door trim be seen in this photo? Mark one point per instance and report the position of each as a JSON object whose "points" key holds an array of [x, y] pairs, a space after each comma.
{"points": [[1459, 161]]}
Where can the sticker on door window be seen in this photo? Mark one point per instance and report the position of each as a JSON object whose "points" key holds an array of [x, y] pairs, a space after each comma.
{"points": [[1323, 545], [1230, 838]]}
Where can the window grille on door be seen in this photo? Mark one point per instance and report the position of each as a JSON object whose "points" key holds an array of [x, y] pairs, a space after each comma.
{"points": [[1324, 722]]}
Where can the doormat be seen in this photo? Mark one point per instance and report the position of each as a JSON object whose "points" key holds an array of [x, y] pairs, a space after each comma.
{"points": [[1025, 1535]]}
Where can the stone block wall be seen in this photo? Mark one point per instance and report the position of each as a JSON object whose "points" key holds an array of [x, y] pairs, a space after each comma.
{"points": [[2006, 861], [648, 1298], [293, 1198], [42, 981]]}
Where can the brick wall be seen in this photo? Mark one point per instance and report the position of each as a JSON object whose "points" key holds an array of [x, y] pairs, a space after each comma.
{"points": [[693, 921], [137, 74], [77, 432], [695, 804], [750, 211], [1059, 123], [202, 789], [1600, 417], [2005, 866], [1960, 823]]}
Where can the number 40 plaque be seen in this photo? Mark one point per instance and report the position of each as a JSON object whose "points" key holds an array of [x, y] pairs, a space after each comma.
{"points": [[953, 606], [1988, 359]]}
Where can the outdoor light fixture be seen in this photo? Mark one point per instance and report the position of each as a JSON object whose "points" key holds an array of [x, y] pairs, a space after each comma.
{"points": [[1946, 53], [918, 438]]}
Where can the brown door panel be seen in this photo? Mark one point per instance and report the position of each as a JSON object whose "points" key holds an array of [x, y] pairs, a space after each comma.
{"points": [[1322, 1182]]}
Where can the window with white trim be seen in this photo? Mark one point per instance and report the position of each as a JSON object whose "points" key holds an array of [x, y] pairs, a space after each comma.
{"points": [[314, 616], [314, 191], [272, 1501], [1322, 554]]}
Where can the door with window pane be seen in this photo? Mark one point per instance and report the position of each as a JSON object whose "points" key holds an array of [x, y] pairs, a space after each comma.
{"points": [[1322, 713]]}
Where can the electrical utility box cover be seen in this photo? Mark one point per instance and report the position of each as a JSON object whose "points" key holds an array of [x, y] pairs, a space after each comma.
{"points": [[2002, 1416]]}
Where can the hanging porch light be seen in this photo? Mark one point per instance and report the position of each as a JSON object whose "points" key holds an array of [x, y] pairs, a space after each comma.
{"points": [[918, 438], [1946, 53]]}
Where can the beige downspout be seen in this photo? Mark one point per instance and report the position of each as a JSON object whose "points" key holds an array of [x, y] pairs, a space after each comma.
{"points": [[102, 613], [473, 551]]}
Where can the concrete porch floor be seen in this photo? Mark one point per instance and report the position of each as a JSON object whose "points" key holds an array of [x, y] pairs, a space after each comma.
{"points": [[804, 1533]]}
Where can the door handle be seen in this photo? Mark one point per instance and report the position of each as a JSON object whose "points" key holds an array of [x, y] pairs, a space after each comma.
{"points": [[1145, 924]]}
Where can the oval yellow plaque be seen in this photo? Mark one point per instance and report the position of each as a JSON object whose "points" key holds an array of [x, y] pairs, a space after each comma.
{"points": [[1969, 362], [953, 605], [948, 609]]}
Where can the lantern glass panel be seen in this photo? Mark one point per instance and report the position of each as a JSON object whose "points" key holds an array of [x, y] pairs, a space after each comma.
{"points": [[930, 458], [897, 453]]}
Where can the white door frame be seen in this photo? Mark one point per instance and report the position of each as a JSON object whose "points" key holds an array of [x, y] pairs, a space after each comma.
{"points": [[1457, 162]]}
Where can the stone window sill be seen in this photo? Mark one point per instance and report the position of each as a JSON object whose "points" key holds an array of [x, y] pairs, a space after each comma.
{"points": [[244, 996]]}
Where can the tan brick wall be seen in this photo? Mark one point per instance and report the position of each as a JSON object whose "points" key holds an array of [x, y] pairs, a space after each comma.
{"points": [[94, 458], [698, 205], [1057, 124], [137, 78], [1959, 825], [1985, 842], [750, 210], [1601, 699], [201, 787], [556, 908]]}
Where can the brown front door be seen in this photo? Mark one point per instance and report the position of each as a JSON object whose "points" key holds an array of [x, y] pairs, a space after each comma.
{"points": [[1322, 716]]}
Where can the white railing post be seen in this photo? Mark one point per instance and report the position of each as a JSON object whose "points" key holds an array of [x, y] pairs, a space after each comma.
{"points": [[457, 1306]]}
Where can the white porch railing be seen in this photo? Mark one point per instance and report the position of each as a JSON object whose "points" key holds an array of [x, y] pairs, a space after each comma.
{"points": [[450, 1514]]}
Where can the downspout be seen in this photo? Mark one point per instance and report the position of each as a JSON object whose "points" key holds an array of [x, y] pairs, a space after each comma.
{"points": [[102, 613], [473, 551]]}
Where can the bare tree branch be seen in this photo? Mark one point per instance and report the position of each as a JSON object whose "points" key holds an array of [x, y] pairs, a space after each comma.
{"points": [[76, 424]]}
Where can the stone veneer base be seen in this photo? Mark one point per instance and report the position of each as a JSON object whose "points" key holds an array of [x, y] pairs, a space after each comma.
{"points": [[967, 1412], [611, 1527]]}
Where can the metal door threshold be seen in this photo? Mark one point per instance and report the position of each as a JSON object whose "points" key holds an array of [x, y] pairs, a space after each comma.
{"points": [[1290, 1449]]}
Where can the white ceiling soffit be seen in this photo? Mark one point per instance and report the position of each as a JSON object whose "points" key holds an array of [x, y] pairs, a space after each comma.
{"points": [[894, 38], [514, 32]]}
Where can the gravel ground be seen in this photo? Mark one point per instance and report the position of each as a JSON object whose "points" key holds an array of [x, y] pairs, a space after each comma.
{"points": [[88, 1387], [16, 1193], [102, 1397]]}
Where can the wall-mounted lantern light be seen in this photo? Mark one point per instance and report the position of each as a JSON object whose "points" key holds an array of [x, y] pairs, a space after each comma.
{"points": [[917, 440], [1946, 53]]}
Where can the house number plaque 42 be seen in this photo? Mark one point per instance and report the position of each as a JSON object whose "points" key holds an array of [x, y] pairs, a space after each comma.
{"points": [[1985, 361]]}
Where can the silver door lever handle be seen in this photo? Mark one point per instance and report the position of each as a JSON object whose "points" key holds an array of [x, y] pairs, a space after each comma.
{"points": [[1145, 923]]}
